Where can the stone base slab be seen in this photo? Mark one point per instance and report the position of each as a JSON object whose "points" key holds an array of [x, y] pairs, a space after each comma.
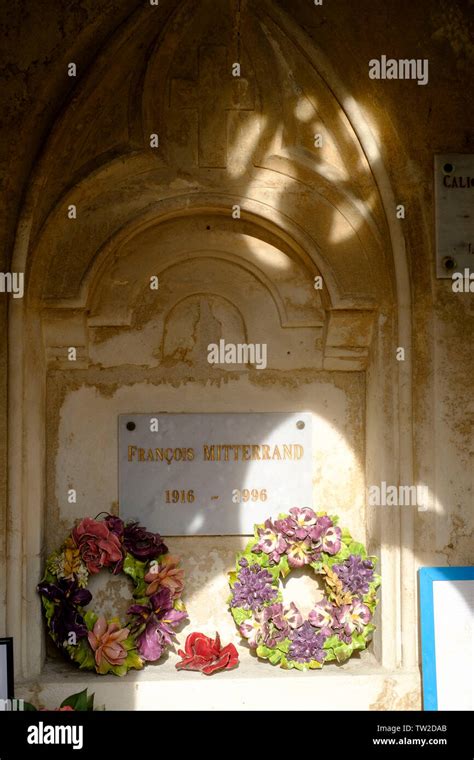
{"points": [[252, 686]]}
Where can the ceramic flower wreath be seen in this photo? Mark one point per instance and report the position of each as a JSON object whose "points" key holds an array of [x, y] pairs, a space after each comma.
{"points": [[87, 638], [338, 625]]}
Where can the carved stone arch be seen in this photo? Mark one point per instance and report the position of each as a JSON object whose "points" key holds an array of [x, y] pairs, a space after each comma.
{"points": [[178, 345], [366, 276], [103, 294]]}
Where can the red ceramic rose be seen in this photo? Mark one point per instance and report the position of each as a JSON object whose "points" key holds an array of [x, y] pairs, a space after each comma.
{"points": [[207, 655], [98, 546]]}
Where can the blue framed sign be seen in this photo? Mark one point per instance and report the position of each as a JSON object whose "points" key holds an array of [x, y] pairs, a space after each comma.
{"points": [[447, 636]]}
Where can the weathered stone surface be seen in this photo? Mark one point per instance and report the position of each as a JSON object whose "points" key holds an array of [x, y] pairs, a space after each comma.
{"points": [[306, 212]]}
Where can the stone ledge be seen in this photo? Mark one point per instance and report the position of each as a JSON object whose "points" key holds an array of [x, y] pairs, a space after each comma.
{"points": [[252, 686]]}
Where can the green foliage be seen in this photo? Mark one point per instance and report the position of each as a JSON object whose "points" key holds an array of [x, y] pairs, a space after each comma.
{"points": [[343, 651], [137, 571], [284, 566], [90, 619], [82, 701], [331, 642], [275, 657], [49, 608], [346, 537], [259, 559], [132, 661], [232, 578], [356, 548], [358, 642], [274, 571], [293, 664], [82, 654], [370, 599], [239, 614], [284, 646]]}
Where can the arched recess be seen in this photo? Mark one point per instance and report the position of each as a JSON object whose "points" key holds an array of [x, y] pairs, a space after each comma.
{"points": [[325, 210]]}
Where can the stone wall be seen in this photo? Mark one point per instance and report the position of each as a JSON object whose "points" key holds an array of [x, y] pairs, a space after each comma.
{"points": [[305, 211]]}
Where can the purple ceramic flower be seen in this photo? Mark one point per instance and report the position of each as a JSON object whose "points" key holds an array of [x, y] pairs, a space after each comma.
{"points": [[142, 544], [154, 623], [350, 618], [307, 644], [275, 628], [307, 535], [322, 616], [115, 525], [253, 587], [67, 597], [300, 553], [270, 541], [271, 625], [355, 573], [298, 524], [251, 629], [292, 615], [330, 536]]}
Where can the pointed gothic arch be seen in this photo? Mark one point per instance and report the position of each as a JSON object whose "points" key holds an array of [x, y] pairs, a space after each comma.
{"points": [[331, 211]]}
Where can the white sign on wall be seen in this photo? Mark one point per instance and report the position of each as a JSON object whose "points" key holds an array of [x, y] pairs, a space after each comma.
{"points": [[454, 207], [213, 474], [447, 637]]}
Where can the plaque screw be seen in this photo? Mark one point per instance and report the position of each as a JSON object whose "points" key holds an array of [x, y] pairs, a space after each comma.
{"points": [[300, 425], [131, 426], [449, 263], [448, 168]]}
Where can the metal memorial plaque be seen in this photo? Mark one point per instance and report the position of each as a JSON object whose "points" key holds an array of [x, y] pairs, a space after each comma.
{"points": [[213, 474], [454, 195]]}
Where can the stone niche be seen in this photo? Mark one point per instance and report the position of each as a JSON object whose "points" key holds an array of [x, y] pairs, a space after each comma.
{"points": [[304, 212]]}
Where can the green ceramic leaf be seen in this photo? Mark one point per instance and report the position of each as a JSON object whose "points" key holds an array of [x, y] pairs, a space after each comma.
{"points": [[275, 657], [331, 642], [232, 578], [79, 701], [284, 646], [285, 568], [134, 568], [297, 665], [356, 548], [358, 642], [343, 652], [90, 619], [239, 614], [133, 660], [274, 571], [346, 536], [83, 655], [28, 707], [49, 608]]}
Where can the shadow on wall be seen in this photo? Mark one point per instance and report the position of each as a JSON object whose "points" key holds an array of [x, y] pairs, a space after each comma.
{"points": [[322, 189]]}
